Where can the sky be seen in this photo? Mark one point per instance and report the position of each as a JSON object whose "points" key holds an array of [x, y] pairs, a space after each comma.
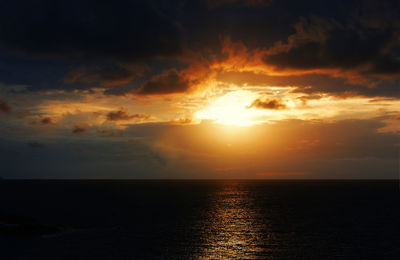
{"points": [[214, 89]]}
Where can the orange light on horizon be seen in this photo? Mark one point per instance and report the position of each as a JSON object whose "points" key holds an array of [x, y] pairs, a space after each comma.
{"points": [[282, 174]]}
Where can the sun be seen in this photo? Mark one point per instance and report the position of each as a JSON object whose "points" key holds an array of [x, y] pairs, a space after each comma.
{"points": [[231, 109]]}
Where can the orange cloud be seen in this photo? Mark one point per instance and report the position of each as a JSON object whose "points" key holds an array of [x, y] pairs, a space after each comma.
{"points": [[240, 58], [181, 121]]}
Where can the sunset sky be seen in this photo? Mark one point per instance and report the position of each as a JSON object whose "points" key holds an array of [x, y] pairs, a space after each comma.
{"points": [[200, 89]]}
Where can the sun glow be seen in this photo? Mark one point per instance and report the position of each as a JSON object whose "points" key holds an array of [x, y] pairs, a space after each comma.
{"points": [[235, 107], [232, 109]]}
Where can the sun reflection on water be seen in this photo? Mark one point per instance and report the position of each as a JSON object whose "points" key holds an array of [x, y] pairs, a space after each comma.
{"points": [[235, 228]]}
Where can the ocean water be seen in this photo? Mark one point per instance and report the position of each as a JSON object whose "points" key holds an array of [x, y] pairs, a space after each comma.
{"points": [[128, 219]]}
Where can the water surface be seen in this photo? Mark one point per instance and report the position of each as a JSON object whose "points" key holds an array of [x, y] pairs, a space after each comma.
{"points": [[199, 219]]}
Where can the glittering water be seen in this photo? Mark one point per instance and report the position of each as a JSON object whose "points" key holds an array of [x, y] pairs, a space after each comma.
{"points": [[233, 227], [199, 220]]}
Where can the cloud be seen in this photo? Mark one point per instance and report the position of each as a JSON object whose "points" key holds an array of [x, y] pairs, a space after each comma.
{"points": [[86, 45], [5, 107], [106, 76], [42, 121], [22, 114], [109, 132], [338, 149], [35, 145], [312, 83], [181, 121], [122, 115], [166, 83], [77, 129], [197, 76], [46, 120], [323, 45], [239, 3], [91, 30], [267, 104], [80, 158]]}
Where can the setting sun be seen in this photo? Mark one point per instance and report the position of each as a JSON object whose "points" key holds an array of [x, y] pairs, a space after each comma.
{"points": [[232, 109]]}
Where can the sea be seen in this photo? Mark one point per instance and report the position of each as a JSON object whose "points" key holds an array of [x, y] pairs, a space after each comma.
{"points": [[199, 219]]}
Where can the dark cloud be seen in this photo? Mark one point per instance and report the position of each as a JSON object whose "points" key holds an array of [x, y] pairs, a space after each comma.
{"points": [[109, 132], [75, 45], [77, 129], [46, 120], [36, 145], [22, 114], [166, 83], [320, 44], [339, 149], [5, 107], [79, 158], [122, 115], [274, 104], [97, 30], [42, 121], [121, 90], [105, 76], [239, 3]]}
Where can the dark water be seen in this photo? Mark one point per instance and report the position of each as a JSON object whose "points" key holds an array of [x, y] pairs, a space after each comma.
{"points": [[199, 220]]}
